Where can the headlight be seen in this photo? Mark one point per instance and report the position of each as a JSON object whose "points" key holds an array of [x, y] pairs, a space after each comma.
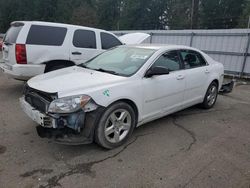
{"points": [[68, 104]]}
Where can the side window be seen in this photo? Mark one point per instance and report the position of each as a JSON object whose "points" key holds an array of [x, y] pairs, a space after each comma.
{"points": [[46, 35], [109, 41], [84, 39], [169, 60], [192, 59], [12, 34]]}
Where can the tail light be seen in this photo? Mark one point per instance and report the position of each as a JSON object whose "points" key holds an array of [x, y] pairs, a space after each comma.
{"points": [[21, 57]]}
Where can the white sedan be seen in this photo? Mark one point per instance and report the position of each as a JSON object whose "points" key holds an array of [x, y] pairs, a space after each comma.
{"points": [[104, 99]]}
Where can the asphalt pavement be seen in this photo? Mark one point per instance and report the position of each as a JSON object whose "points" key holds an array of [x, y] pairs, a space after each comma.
{"points": [[191, 148]]}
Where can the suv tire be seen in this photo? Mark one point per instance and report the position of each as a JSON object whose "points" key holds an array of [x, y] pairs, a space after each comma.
{"points": [[55, 65]]}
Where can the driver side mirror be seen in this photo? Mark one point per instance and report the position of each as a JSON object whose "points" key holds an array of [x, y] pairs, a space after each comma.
{"points": [[158, 70]]}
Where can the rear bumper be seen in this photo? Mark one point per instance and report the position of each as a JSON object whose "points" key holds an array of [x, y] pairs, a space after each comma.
{"points": [[22, 72]]}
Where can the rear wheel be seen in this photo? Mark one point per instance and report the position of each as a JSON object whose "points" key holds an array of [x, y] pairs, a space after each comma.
{"points": [[53, 68], [55, 65], [115, 126], [211, 96]]}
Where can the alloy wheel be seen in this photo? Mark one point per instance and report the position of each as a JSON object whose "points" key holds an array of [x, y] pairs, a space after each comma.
{"points": [[212, 94], [117, 125]]}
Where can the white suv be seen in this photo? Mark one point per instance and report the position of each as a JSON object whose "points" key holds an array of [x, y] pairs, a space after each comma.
{"points": [[32, 48]]}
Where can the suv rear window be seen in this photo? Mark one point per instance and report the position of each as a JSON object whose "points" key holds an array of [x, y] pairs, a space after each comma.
{"points": [[12, 34], [109, 41], [46, 35], [84, 39]]}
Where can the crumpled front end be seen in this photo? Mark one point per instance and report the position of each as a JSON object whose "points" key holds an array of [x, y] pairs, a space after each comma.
{"points": [[67, 128]]}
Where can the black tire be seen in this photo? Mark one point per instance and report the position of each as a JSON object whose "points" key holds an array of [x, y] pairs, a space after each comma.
{"points": [[105, 123], [210, 100]]}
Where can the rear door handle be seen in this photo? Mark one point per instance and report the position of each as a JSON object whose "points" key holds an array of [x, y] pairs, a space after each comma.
{"points": [[180, 77], [76, 53], [207, 71]]}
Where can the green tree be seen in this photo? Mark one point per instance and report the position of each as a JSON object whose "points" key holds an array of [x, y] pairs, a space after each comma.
{"points": [[130, 14], [244, 18], [108, 13], [195, 14], [221, 14], [147, 14], [178, 14], [84, 15], [13, 10]]}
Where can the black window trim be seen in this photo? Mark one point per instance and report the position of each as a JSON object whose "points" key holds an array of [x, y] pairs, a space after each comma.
{"points": [[96, 46], [195, 52], [178, 52]]}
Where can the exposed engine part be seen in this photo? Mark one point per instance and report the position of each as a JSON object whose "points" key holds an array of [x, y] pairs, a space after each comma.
{"points": [[227, 88]]}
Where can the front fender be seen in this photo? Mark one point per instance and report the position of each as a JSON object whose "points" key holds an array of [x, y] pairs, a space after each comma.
{"points": [[106, 96]]}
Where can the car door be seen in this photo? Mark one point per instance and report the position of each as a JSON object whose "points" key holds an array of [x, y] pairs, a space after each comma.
{"points": [[83, 46], [197, 73], [164, 94]]}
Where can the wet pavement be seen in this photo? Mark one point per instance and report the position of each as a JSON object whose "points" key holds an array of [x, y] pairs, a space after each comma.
{"points": [[191, 148]]}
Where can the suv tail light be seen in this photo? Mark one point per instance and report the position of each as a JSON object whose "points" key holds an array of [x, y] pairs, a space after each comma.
{"points": [[1, 45], [21, 57]]}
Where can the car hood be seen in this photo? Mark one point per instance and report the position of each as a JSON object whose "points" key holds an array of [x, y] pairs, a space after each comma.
{"points": [[72, 79], [134, 38]]}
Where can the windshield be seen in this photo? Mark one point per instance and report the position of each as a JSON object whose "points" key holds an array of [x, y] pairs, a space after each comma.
{"points": [[124, 61]]}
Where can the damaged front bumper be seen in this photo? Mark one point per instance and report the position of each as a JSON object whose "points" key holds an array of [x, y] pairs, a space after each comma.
{"points": [[227, 87], [75, 128]]}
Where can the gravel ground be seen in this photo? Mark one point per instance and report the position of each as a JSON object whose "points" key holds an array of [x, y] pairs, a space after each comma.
{"points": [[191, 148]]}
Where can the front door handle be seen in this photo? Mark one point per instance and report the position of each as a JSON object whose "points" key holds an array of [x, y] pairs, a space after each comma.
{"points": [[180, 77], [76, 53]]}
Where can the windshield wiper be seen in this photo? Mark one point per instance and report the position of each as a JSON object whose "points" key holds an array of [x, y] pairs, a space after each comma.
{"points": [[82, 65], [100, 69], [106, 71]]}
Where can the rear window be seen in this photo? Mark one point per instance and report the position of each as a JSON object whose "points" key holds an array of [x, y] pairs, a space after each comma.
{"points": [[46, 35], [12, 34], [84, 39], [109, 41]]}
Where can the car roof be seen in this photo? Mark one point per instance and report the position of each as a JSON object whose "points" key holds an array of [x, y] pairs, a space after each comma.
{"points": [[162, 46], [57, 24]]}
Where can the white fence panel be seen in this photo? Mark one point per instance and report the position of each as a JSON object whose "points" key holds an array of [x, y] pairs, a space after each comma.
{"points": [[230, 46]]}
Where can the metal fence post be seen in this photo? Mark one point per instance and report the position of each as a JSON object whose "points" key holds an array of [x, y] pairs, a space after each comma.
{"points": [[191, 39], [245, 55], [151, 37]]}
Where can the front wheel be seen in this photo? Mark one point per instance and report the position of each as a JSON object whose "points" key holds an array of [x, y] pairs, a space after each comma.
{"points": [[115, 126], [211, 96]]}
